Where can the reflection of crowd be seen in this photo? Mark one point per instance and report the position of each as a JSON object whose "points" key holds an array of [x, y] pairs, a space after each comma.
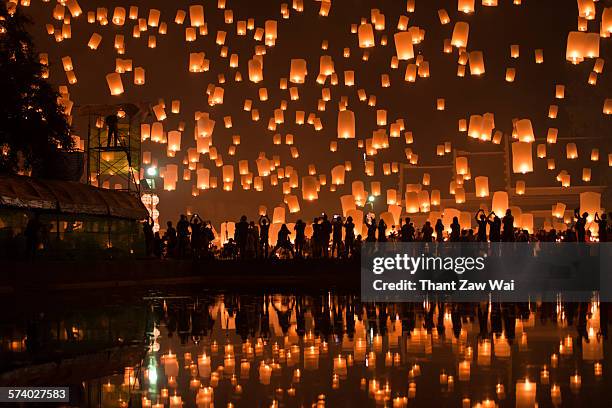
{"points": [[253, 316], [337, 237]]}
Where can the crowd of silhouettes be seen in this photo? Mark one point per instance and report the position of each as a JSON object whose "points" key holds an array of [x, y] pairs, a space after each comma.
{"points": [[337, 238], [191, 320]]}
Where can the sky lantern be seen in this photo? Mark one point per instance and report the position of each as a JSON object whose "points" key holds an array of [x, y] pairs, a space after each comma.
{"points": [[94, 41], [481, 186], [607, 108], [159, 112], [460, 35], [326, 65], [346, 124], [586, 174], [539, 56], [403, 46], [575, 49], [524, 131], [255, 71], [510, 74], [309, 188], [559, 91], [571, 151], [461, 165], [358, 191], [590, 202], [298, 71], [514, 51], [606, 21], [338, 175], [154, 16], [586, 9], [500, 203], [365, 35], [443, 16], [476, 60], [412, 202], [114, 83], [196, 15], [119, 16], [541, 151], [270, 30], [174, 140], [522, 160], [73, 6], [466, 6], [348, 204]]}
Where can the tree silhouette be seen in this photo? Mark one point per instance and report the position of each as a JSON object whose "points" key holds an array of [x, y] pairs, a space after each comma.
{"points": [[33, 126]]}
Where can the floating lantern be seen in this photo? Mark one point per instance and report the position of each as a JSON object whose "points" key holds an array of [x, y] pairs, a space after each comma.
{"points": [[482, 186], [403, 46], [461, 31], [476, 60], [500, 202], [522, 161], [114, 83], [365, 35]]}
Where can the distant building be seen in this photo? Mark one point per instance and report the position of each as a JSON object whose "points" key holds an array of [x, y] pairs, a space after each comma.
{"points": [[78, 221]]}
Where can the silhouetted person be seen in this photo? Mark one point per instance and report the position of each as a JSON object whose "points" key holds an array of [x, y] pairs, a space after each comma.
{"points": [[147, 229], [252, 240], [372, 226], [427, 232], [602, 223], [382, 231], [158, 245], [508, 223], [326, 230], [349, 236], [455, 234], [300, 237], [182, 231], [112, 122], [439, 230], [32, 234], [494, 227], [581, 225], [481, 219], [170, 238], [196, 234], [336, 235], [241, 233], [407, 231], [316, 238], [264, 235], [283, 241]]}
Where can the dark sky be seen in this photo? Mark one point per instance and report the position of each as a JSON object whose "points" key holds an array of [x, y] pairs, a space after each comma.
{"points": [[535, 24]]}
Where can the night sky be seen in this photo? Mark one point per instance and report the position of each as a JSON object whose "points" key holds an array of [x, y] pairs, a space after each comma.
{"points": [[536, 24]]}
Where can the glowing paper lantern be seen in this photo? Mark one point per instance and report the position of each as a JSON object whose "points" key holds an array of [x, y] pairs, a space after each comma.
{"points": [[309, 188], [94, 41], [460, 34], [114, 83], [346, 124], [403, 46], [338, 175], [524, 131], [461, 165], [500, 202], [522, 160], [466, 6], [365, 35], [255, 71], [476, 60], [571, 151], [482, 186], [196, 15]]}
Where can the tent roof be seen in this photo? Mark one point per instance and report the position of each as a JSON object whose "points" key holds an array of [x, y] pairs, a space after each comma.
{"points": [[68, 197]]}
